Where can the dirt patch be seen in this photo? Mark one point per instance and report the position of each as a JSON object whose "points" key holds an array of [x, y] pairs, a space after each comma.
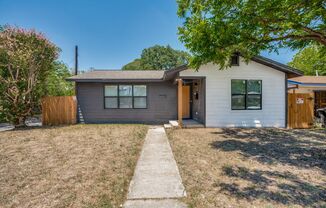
{"points": [[70, 166], [252, 167]]}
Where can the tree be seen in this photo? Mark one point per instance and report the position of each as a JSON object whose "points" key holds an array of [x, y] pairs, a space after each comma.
{"points": [[158, 58], [310, 60], [134, 65], [56, 83], [26, 57], [213, 30]]}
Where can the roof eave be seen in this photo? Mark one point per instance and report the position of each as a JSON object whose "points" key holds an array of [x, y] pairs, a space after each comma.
{"points": [[170, 74], [278, 66], [114, 80]]}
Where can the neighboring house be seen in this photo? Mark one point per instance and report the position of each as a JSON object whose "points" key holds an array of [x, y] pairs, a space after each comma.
{"points": [[245, 95], [315, 85]]}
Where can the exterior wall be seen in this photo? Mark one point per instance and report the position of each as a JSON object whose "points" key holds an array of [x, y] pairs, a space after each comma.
{"points": [[198, 105], [161, 104], [218, 95]]}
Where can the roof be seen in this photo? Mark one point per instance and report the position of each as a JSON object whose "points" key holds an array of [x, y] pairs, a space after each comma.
{"points": [[308, 80], [160, 75], [277, 65], [104, 75]]}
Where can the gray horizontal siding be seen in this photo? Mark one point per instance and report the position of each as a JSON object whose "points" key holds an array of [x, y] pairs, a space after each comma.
{"points": [[161, 104]]}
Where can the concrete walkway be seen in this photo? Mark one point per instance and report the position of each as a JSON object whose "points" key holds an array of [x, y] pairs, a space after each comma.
{"points": [[156, 181]]}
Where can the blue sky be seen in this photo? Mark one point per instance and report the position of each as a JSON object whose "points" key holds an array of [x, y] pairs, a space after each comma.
{"points": [[109, 33]]}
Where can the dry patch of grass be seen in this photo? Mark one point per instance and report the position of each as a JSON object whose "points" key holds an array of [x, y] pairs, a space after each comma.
{"points": [[252, 167], [69, 166]]}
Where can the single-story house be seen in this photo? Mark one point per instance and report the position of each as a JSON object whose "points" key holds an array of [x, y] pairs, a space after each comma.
{"points": [[250, 94], [315, 85]]}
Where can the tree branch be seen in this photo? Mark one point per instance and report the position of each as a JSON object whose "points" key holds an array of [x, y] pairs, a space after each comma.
{"points": [[299, 37]]}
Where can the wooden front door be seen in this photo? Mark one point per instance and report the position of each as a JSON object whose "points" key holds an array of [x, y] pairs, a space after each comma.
{"points": [[185, 101]]}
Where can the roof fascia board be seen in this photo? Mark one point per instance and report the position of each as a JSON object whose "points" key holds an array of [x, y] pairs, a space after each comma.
{"points": [[276, 65], [116, 80]]}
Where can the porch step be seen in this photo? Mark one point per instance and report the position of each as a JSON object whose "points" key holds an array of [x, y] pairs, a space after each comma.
{"points": [[174, 123], [192, 124], [167, 126]]}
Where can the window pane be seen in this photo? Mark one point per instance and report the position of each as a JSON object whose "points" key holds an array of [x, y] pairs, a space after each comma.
{"points": [[111, 102], [254, 87], [253, 102], [238, 102], [125, 90], [125, 102], [235, 60], [111, 90], [238, 86], [139, 90], [140, 102]]}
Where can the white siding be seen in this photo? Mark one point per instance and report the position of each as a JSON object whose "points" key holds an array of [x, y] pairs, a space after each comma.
{"points": [[218, 95]]}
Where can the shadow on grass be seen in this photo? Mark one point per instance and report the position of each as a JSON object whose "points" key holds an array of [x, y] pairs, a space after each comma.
{"points": [[287, 189], [299, 148]]}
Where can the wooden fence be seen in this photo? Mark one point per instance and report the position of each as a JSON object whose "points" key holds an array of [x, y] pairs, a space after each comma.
{"points": [[59, 110], [300, 110]]}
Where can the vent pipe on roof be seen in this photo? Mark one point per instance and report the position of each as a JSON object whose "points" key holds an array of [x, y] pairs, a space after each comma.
{"points": [[76, 60]]}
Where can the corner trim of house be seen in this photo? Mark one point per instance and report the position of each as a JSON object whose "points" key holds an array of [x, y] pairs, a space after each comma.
{"points": [[286, 100]]}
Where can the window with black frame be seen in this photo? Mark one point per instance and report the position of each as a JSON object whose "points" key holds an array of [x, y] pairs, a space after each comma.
{"points": [[140, 96], [125, 96], [246, 94], [111, 96]]}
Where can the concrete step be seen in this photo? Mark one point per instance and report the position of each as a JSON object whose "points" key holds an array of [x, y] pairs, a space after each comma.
{"points": [[168, 126], [174, 123], [193, 126]]}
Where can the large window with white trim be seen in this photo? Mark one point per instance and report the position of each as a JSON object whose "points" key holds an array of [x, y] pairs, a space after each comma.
{"points": [[125, 96], [246, 94]]}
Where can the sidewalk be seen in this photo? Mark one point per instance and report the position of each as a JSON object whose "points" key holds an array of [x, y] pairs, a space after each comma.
{"points": [[156, 181]]}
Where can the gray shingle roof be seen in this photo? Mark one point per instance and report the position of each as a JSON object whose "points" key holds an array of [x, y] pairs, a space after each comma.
{"points": [[99, 75]]}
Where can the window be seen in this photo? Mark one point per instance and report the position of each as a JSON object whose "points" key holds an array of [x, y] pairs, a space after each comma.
{"points": [[140, 96], [246, 94], [125, 96], [111, 96], [235, 60]]}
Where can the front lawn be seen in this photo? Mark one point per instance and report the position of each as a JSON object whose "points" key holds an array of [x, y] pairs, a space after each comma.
{"points": [[252, 167], [69, 166]]}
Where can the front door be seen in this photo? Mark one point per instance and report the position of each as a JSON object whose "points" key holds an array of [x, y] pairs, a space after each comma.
{"points": [[186, 101]]}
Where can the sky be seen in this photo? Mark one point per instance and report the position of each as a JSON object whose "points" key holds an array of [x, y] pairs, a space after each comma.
{"points": [[109, 33]]}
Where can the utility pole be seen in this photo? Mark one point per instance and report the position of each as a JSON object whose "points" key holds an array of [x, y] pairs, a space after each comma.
{"points": [[76, 60]]}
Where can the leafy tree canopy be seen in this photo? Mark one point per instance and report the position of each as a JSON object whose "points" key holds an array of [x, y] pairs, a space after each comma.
{"points": [[56, 83], [158, 58], [310, 60], [26, 57], [134, 65], [213, 30]]}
